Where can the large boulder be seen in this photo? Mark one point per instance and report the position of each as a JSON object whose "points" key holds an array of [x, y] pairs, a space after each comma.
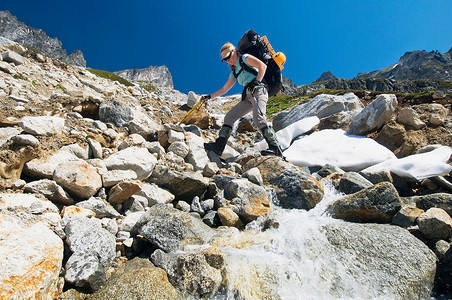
{"points": [[377, 204], [127, 113], [374, 116], [32, 258], [313, 259], [321, 106], [93, 250]]}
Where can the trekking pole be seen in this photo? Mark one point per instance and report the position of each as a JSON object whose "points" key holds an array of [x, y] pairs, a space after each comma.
{"points": [[197, 105], [268, 126]]}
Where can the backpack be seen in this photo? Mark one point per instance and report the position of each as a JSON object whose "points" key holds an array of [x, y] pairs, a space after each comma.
{"points": [[252, 43]]}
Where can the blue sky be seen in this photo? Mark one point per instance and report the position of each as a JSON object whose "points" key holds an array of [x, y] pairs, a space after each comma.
{"points": [[344, 37]]}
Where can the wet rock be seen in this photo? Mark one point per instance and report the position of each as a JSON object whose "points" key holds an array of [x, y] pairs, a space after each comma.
{"points": [[229, 218], [376, 204], [249, 199], [294, 187]]}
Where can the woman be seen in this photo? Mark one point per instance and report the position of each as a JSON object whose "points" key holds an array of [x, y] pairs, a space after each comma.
{"points": [[248, 71]]}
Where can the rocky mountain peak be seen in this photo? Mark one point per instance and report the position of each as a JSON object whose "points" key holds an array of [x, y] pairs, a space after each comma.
{"points": [[325, 76], [12, 29], [419, 64], [159, 75]]}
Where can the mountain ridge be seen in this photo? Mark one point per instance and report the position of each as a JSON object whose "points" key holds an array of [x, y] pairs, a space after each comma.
{"points": [[14, 30]]}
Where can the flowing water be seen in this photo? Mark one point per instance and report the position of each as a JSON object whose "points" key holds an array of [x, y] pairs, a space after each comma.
{"points": [[296, 261]]}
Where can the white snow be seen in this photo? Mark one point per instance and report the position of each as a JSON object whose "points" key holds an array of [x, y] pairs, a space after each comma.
{"points": [[359, 153]]}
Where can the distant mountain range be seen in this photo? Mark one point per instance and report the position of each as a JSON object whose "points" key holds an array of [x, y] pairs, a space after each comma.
{"points": [[416, 71], [417, 65]]}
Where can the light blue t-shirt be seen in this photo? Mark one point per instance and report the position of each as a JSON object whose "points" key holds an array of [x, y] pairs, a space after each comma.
{"points": [[244, 77]]}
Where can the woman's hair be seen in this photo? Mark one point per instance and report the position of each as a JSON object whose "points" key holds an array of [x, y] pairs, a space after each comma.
{"points": [[228, 47]]}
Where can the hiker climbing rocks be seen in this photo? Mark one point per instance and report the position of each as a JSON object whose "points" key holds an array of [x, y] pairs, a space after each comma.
{"points": [[249, 72]]}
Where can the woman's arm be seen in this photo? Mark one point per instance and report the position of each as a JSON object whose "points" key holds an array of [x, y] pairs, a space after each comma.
{"points": [[227, 86], [258, 64]]}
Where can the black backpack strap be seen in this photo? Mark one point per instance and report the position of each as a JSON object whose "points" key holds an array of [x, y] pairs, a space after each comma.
{"points": [[245, 67]]}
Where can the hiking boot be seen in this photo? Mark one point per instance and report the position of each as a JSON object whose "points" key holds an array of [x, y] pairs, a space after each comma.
{"points": [[272, 150], [270, 138], [218, 146], [220, 142]]}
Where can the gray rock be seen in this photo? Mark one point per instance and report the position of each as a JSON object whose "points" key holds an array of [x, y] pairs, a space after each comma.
{"points": [[158, 75], [197, 156], [26, 140], [50, 189], [170, 229], [93, 250], [128, 114], [135, 159], [374, 116], [12, 57], [352, 182], [321, 106], [377, 177], [254, 175], [439, 200], [184, 185], [138, 279], [196, 207], [17, 31], [409, 117]]}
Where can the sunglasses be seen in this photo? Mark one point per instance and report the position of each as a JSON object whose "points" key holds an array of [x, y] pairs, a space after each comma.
{"points": [[228, 57]]}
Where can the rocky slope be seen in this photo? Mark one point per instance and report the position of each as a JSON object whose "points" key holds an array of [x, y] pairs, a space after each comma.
{"points": [[11, 28], [104, 193]]}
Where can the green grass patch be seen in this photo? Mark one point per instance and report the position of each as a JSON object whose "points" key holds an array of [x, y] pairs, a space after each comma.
{"points": [[150, 87], [20, 76], [110, 76], [60, 87], [281, 102]]}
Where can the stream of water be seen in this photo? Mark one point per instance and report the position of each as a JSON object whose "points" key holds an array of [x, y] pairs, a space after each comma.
{"points": [[296, 261]]}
